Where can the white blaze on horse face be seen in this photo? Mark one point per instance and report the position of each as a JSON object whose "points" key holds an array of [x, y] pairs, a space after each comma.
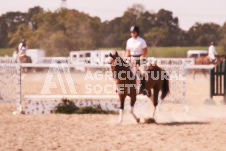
{"points": [[54, 69]]}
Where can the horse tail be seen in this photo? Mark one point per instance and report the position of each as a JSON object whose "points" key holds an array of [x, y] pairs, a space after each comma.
{"points": [[165, 87]]}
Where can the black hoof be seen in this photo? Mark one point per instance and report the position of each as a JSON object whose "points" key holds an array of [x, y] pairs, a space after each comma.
{"points": [[145, 92], [138, 120], [149, 120]]}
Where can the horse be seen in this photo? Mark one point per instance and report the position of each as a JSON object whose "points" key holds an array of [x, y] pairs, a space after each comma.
{"points": [[26, 59], [123, 76], [205, 60], [23, 58]]}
